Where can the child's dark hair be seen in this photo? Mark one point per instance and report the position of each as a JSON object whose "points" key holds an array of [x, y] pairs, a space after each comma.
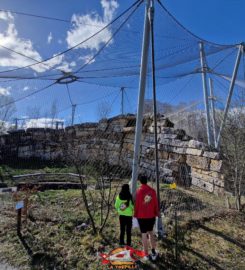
{"points": [[143, 179], [125, 194]]}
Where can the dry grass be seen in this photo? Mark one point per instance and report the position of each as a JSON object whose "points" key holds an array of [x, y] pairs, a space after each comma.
{"points": [[209, 236]]}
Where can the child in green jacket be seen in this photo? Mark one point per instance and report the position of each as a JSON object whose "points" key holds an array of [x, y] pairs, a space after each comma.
{"points": [[125, 209]]}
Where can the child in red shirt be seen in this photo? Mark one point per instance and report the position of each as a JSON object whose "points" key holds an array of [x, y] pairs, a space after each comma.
{"points": [[146, 210]]}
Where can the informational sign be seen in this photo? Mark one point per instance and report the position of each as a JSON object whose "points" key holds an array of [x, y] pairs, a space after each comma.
{"points": [[19, 205]]}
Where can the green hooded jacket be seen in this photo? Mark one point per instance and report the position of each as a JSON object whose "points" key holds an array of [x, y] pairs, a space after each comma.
{"points": [[122, 209]]}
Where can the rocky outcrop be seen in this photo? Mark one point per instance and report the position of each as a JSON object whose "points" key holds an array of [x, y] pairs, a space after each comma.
{"points": [[181, 158]]}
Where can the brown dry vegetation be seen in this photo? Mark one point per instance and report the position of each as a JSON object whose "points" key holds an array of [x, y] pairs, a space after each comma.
{"points": [[209, 236]]}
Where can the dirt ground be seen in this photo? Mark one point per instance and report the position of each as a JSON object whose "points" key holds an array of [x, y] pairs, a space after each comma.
{"points": [[209, 236]]}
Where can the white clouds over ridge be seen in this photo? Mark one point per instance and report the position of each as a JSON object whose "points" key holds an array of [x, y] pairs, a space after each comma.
{"points": [[41, 123]]}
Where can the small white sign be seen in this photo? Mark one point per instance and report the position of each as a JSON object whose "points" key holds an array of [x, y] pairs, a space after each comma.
{"points": [[19, 205]]}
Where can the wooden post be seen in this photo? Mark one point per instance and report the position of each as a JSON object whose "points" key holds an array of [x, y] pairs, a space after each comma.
{"points": [[25, 212], [176, 236], [19, 221], [18, 207]]}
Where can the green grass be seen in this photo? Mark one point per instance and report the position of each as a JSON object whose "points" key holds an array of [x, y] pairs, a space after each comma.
{"points": [[5, 170]]}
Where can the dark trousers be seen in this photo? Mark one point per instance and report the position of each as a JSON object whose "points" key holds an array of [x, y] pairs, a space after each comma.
{"points": [[125, 225]]}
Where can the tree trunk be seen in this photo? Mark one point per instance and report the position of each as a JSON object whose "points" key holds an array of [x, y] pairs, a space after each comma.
{"points": [[86, 201]]}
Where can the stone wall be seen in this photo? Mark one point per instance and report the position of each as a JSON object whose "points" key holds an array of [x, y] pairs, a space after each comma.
{"points": [[112, 141]]}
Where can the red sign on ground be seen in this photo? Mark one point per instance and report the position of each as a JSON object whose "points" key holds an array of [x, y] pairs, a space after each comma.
{"points": [[122, 258]]}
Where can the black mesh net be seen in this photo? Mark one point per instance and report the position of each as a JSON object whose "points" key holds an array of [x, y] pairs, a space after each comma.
{"points": [[96, 67]]}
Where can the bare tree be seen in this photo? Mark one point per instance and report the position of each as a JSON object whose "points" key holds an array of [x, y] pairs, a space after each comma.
{"points": [[103, 109], [191, 119], [53, 111], [96, 204], [162, 107], [34, 112], [7, 110], [233, 148]]}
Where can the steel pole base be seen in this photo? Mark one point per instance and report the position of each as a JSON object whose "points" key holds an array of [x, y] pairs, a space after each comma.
{"points": [[160, 232]]}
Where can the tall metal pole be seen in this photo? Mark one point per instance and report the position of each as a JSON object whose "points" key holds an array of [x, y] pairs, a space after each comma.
{"points": [[232, 84], [205, 91], [141, 97], [151, 16], [16, 123], [73, 113], [122, 100], [212, 99]]}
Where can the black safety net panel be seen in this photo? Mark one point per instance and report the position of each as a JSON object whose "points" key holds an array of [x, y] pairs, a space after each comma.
{"points": [[96, 67]]}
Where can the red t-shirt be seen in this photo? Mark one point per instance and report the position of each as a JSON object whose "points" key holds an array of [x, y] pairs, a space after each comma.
{"points": [[146, 204]]}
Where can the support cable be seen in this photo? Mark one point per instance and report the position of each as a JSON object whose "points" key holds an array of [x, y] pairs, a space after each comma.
{"points": [[35, 15], [109, 40], [78, 44], [94, 100], [44, 77], [222, 60], [243, 61], [184, 109], [212, 107], [181, 89], [31, 94], [204, 69], [189, 32], [130, 105], [69, 94], [72, 105], [139, 2], [19, 53], [224, 87], [151, 15], [231, 88]]}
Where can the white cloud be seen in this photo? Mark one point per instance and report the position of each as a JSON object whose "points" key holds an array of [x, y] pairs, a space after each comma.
{"points": [[87, 58], [6, 16], [4, 91], [50, 37], [59, 63], [85, 26], [26, 88], [4, 127], [10, 39], [73, 64], [109, 9], [65, 66], [41, 123], [54, 61]]}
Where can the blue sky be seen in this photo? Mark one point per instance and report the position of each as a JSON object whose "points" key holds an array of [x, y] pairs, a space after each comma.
{"points": [[219, 21]]}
